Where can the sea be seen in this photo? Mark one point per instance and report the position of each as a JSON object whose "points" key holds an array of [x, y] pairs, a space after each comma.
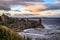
{"points": [[51, 22], [52, 29]]}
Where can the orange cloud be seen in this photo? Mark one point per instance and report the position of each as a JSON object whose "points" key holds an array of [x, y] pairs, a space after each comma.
{"points": [[35, 8]]}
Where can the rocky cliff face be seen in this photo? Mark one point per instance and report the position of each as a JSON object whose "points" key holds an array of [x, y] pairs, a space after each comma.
{"points": [[18, 24]]}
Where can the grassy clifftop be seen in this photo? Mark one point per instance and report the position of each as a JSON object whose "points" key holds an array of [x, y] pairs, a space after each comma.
{"points": [[8, 34]]}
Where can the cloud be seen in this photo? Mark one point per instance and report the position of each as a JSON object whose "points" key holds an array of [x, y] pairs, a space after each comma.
{"points": [[35, 8], [42, 7], [25, 0], [14, 2], [50, 13], [53, 6], [4, 8], [7, 3], [57, 1]]}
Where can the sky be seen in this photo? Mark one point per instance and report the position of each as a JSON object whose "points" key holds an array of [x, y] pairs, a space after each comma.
{"points": [[46, 2], [22, 8], [32, 6], [37, 7]]}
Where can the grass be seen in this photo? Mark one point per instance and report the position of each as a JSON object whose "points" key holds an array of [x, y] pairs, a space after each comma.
{"points": [[8, 34]]}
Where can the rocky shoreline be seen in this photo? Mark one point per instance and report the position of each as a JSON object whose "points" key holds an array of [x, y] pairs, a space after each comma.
{"points": [[41, 34]]}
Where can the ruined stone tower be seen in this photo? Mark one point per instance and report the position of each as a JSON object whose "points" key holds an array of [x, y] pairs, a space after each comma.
{"points": [[40, 24]]}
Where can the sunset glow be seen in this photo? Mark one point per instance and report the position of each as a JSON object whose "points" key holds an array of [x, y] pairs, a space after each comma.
{"points": [[35, 8]]}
